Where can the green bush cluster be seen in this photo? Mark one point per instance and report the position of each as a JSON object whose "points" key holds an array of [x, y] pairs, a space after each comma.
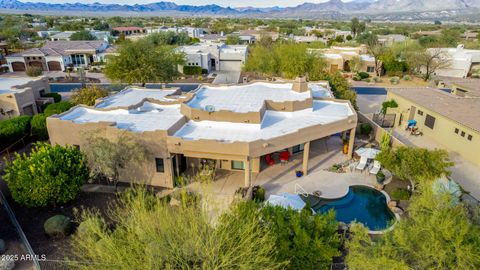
{"points": [[192, 70], [400, 194], [258, 194], [56, 96], [12, 130], [50, 175], [363, 75], [365, 128], [34, 71], [394, 80], [39, 121], [388, 104]]}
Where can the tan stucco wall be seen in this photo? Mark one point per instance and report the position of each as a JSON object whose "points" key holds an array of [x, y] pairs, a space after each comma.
{"points": [[24, 95], [443, 131]]}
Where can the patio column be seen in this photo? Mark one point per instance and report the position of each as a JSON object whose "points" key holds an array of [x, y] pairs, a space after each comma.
{"points": [[306, 153], [351, 142], [248, 180]]}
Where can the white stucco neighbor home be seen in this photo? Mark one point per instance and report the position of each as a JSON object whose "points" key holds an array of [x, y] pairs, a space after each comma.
{"points": [[461, 61], [192, 32], [215, 56], [58, 55]]}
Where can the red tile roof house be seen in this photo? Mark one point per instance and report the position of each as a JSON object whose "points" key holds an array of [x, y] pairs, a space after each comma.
{"points": [[57, 55], [130, 30]]}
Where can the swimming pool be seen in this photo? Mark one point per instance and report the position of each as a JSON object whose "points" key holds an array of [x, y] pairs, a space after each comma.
{"points": [[68, 87], [363, 204], [366, 90]]}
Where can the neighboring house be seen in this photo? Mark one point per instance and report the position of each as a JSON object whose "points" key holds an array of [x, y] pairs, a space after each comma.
{"points": [[47, 33], [451, 119], [389, 40], [22, 96], [66, 36], [215, 56], [192, 32], [232, 128], [427, 33], [259, 33], [461, 61], [130, 30], [469, 35], [213, 38], [338, 58], [328, 34], [307, 39], [58, 55]]}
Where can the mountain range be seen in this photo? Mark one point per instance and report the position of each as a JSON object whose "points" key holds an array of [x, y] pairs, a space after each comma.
{"points": [[329, 9]]}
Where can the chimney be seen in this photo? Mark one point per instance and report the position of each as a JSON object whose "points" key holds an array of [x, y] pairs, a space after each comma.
{"points": [[300, 85]]}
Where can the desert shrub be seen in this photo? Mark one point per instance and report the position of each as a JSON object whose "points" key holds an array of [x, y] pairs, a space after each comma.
{"points": [[87, 95], [56, 96], [365, 128], [400, 194], [39, 126], [394, 80], [258, 194], [34, 71], [50, 175], [363, 75], [192, 70], [57, 226], [407, 78], [12, 130], [377, 79]]}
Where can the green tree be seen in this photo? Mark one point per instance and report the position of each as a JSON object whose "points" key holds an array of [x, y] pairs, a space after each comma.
{"points": [[12, 130], [143, 62], [87, 95], [416, 164], [108, 158], [149, 234], [82, 35], [436, 234], [262, 60], [428, 61], [306, 240], [354, 26], [50, 175], [232, 40]]}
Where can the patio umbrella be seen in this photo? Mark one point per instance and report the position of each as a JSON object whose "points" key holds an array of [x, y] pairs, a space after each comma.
{"points": [[367, 152], [287, 200]]}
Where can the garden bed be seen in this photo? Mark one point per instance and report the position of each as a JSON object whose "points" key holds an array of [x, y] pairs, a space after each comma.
{"points": [[32, 219]]}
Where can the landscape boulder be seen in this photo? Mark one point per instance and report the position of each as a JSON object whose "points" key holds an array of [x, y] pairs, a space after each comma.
{"points": [[57, 226], [7, 265]]}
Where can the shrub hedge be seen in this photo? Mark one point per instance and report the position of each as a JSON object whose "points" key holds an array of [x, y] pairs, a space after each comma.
{"points": [[363, 75], [192, 70], [57, 108], [12, 130], [39, 126], [365, 128], [56, 96]]}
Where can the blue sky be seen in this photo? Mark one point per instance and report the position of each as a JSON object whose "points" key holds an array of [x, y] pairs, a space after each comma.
{"points": [[233, 3]]}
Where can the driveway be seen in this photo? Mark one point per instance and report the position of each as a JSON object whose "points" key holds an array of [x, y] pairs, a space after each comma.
{"points": [[227, 77]]}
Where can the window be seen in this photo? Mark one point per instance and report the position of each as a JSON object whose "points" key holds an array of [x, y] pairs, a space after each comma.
{"points": [[159, 164], [456, 131], [238, 165], [429, 121], [420, 112], [78, 59], [462, 134], [470, 137], [370, 69], [298, 148]]}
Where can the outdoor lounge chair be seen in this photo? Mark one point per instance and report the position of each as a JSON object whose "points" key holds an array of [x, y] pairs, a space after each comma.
{"points": [[376, 167], [362, 164], [284, 156], [270, 161]]}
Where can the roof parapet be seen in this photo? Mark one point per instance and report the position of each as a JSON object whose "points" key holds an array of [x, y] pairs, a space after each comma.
{"points": [[300, 85]]}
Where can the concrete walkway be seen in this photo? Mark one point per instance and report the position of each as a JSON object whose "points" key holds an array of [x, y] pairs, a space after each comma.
{"points": [[464, 172], [227, 77]]}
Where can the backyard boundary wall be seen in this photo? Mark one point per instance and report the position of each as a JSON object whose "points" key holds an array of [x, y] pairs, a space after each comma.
{"points": [[378, 131]]}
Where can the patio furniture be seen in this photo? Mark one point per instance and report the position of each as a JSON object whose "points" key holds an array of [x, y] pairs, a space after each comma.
{"points": [[376, 167], [270, 161], [362, 163], [369, 153], [284, 156]]}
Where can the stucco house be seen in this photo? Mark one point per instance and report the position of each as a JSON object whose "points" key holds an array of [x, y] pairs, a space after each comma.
{"points": [[22, 96], [461, 61], [232, 127], [58, 55], [450, 119], [215, 56], [338, 58]]}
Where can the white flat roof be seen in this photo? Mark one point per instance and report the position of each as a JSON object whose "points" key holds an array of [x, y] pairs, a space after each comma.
{"points": [[132, 96], [274, 124], [148, 117], [244, 98], [7, 83]]}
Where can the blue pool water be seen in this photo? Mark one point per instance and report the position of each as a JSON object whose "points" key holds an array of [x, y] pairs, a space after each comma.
{"points": [[363, 204], [370, 90]]}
